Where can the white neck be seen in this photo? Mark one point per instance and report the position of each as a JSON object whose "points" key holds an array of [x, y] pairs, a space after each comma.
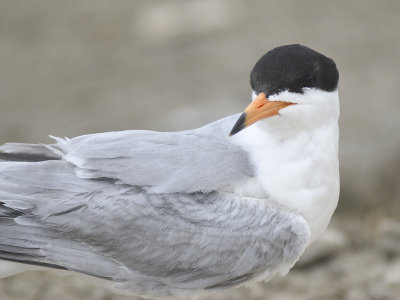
{"points": [[295, 156]]}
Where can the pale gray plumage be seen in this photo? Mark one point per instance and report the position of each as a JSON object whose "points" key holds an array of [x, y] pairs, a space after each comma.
{"points": [[162, 162], [132, 207]]}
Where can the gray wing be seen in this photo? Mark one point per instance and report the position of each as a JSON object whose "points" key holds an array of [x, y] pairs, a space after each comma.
{"points": [[142, 209], [162, 162], [151, 244]]}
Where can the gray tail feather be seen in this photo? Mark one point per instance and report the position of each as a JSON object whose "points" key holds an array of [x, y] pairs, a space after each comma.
{"points": [[47, 247], [29, 238], [20, 243], [27, 152]]}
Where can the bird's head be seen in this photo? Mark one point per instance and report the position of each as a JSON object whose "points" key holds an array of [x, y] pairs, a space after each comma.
{"points": [[294, 82]]}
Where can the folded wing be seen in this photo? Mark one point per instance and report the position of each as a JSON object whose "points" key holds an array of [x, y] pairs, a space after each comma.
{"points": [[151, 244], [162, 162], [143, 209]]}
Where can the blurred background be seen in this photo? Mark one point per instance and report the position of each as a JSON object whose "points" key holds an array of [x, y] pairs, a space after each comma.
{"points": [[75, 67]]}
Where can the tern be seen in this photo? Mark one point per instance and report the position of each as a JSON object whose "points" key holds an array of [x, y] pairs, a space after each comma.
{"points": [[181, 214]]}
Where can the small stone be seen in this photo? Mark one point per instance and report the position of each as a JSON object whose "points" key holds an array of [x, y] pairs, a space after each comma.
{"points": [[392, 274]]}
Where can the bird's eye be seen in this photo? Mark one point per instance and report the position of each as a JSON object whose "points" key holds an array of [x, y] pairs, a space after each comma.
{"points": [[308, 81]]}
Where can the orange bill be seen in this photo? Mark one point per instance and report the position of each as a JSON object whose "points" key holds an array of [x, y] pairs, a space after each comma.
{"points": [[260, 108]]}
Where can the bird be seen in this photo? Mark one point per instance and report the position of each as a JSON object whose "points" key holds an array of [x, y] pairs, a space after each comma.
{"points": [[183, 214]]}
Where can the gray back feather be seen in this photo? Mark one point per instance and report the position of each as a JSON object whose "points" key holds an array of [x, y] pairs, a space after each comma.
{"points": [[163, 162]]}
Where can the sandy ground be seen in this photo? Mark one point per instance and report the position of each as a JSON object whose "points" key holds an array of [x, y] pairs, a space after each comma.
{"points": [[75, 67]]}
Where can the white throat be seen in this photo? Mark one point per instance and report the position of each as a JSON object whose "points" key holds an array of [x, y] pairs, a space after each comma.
{"points": [[295, 155]]}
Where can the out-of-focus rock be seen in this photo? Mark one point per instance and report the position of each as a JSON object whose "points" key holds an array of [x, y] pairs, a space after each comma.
{"points": [[388, 236], [392, 275]]}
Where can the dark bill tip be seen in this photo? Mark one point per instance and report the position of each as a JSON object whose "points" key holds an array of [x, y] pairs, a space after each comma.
{"points": [[239, 125]]}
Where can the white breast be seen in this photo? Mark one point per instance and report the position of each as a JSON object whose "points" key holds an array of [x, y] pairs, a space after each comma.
{"points": [[295, 156]]}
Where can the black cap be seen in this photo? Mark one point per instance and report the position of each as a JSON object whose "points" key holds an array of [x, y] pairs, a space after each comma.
{"points": [[292, 68]]}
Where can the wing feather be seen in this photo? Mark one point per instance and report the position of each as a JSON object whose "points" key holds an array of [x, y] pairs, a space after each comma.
{"points": [[158, 244], [164, 162]]}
